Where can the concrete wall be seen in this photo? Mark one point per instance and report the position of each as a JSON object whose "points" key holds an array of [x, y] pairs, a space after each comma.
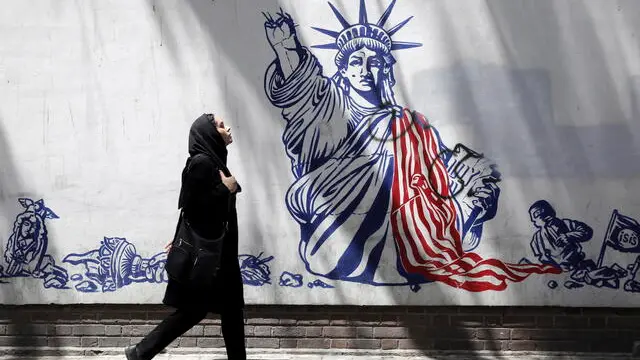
{"points": [[98, 99]]}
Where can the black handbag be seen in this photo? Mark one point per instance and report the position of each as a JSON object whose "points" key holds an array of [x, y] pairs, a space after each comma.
{"points": [[194, 260]]}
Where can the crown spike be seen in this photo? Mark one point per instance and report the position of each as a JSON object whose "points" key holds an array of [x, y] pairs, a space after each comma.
{"points": [[386, 14], [395, 29], [333, 34], [363, 13], [331, 46], [401, 45], [345, 23]]}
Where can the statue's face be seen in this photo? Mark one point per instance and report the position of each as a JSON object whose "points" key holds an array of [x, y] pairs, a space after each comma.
{"points": [[364, 70]]}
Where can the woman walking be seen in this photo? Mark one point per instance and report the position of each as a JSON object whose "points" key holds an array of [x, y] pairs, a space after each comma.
{"points": [[207, 198]]}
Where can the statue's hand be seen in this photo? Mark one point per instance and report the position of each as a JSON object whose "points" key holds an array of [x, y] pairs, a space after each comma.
{"points": [[281, 31]]}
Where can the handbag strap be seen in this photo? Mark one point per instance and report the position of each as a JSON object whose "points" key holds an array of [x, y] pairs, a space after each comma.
{"points": [[175, 235]]}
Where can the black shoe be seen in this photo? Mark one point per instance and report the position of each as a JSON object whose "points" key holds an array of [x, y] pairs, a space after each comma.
{"points": [[131, 353]]}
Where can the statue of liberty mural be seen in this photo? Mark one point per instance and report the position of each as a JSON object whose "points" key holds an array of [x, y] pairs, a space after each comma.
{"points": [[379, 198]]}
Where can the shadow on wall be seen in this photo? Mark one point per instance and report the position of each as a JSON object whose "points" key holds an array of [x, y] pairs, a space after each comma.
{"points": [[243, 79], [526, 119], [585, 123], [421, 328], [493, 126], [10, 187], [428, 331], [9, 180], [509, 113], [19, 322]]}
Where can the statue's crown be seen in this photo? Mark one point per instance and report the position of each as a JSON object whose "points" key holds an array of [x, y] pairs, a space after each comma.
{"points": [[365, 29]]}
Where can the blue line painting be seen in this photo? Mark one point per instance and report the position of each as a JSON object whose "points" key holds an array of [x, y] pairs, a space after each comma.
{"points": [[288, 279], [255, 269], [623, 236], [558, 242], [633, 284], [375, 172], [116, 264], [319, 284], [26, 251], [573, 284]]}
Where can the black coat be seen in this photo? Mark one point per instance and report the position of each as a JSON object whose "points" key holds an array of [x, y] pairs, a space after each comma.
{"points": [[207, 203]]}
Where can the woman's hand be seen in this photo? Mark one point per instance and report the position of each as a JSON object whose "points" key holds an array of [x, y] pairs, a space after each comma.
{"points": [[229, 181]]}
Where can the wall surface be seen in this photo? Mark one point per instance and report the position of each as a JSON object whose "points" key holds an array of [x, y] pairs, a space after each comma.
{"points": [[482, 153]]}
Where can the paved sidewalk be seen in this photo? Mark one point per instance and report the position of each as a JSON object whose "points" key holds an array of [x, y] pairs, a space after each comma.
{"points": [[270, 354], [318, 357]]}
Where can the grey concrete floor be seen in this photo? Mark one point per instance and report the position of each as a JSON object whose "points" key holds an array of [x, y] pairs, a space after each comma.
{"points": [[255, 356], [286, 354]]}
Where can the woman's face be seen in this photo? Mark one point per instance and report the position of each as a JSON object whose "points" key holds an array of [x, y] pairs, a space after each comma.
{"points": [[364, 70], [224, 131]]}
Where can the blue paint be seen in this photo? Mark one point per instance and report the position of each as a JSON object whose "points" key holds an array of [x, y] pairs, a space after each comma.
{"points": [[26, 251], [525, 261], [88, 287], [633, 284], [291, 280], [623, 234], [337, 136], [116, 264], [319, 284], [573, 284], [552, 284], [557, 241], [255, 269]]}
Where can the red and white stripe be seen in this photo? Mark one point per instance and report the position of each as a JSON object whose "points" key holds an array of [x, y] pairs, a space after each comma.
{"points": [[424, 224]]}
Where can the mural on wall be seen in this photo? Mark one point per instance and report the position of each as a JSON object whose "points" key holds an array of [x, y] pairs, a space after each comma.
{"points": [[116, 264], [255, 270], [558, 242], [376, 173], [113, 265], [25, 254], [319, 284], [291, 280], [381, 194]]}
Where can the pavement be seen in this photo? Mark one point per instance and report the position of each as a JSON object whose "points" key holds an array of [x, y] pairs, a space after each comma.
{"points": [[256, 357], [270, 354]]}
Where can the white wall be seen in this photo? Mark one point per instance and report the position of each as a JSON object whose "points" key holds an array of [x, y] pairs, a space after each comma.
{"points": [[98, 97]]}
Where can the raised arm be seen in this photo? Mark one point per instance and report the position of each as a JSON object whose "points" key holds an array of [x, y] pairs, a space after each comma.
{"points": [[283, 39], [312, 104]]}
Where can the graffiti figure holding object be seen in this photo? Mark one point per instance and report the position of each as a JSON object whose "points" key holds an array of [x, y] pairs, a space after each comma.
{"points": [[557, 241]]}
